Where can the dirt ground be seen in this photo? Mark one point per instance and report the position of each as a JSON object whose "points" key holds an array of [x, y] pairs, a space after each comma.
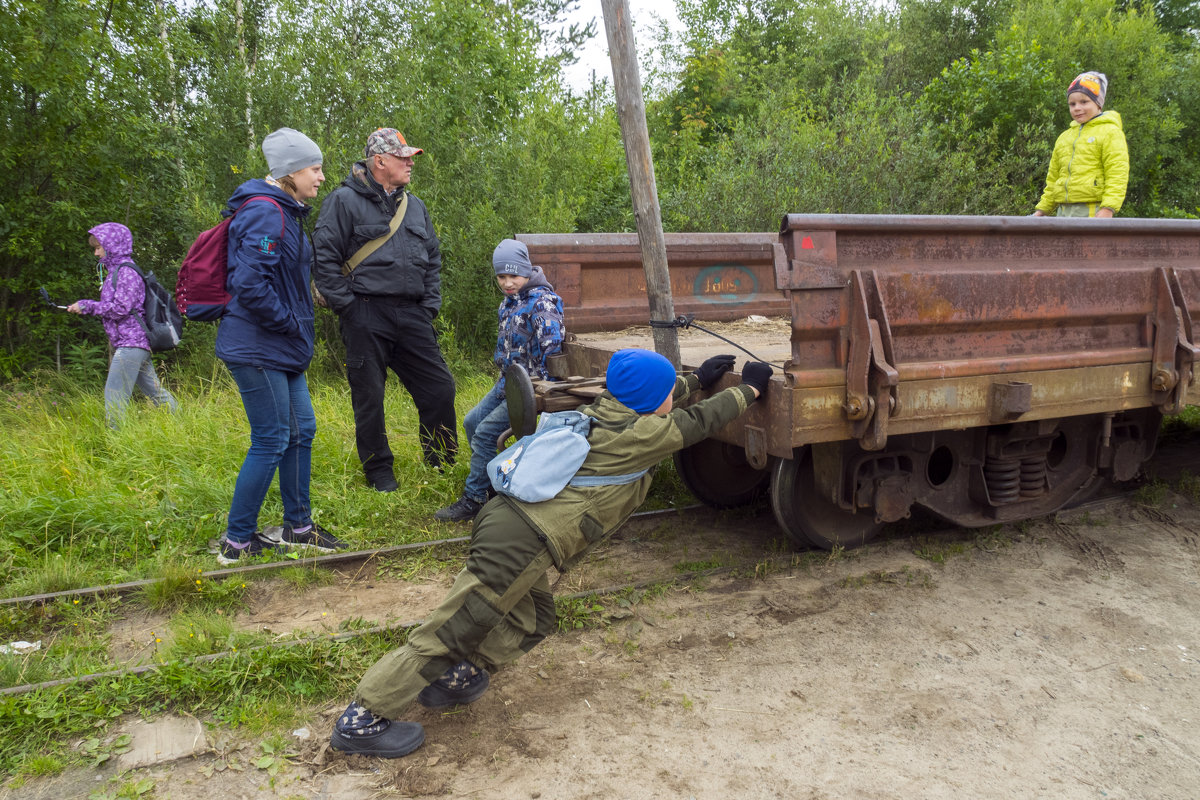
{"points": [[1056, 659]]}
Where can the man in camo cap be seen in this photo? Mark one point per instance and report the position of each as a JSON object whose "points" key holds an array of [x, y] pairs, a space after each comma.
{"points": [[378, 266]]}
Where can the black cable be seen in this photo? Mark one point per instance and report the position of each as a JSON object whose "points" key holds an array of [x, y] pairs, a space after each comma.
{"points": [[688, 321]]}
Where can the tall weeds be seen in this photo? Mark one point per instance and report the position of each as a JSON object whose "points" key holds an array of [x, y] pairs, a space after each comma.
{"points": [[82, 505]]}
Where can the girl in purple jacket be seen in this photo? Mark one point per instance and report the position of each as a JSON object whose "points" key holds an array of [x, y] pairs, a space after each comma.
{"points": [[122, 298]]}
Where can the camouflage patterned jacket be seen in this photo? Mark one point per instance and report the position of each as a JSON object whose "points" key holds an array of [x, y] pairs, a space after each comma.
{"points": [[531, 328]]}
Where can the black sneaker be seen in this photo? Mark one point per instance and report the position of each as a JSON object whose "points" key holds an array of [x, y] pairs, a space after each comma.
{"points": [[257, 546], [360, 732], [383, 483], [461, 684], [315, 538], [463, 510]]}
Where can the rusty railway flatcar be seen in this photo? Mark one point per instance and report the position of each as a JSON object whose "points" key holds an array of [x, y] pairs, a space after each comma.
{"points": [[985, 368]]}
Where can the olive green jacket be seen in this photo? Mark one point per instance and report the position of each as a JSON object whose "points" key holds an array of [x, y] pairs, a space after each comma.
{"points": [[623, 441], [1090, 164]]}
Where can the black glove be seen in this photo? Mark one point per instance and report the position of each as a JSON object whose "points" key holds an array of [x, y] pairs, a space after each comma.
{"points": [[712, 369], [756, 374]]}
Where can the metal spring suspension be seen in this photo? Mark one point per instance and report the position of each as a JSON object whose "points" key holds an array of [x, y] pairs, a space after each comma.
{"points": [[1033, 476], [1003, 478]]}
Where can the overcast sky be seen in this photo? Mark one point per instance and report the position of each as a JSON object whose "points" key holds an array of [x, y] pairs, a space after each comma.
{"points": [[595, 55]]}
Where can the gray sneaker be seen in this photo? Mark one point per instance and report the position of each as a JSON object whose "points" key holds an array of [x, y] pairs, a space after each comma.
{"points": [[260, 544], [315, 538]]}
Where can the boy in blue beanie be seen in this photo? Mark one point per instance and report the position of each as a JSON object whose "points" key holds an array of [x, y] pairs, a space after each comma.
{"points": [[531, 330], [500, 605]]}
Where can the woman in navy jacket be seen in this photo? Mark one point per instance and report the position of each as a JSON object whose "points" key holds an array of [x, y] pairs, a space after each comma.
{"points": [[266, 340]]}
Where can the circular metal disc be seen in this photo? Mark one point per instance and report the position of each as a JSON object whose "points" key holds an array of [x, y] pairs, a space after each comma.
{"points": [[719, 475], [810, 519], [522, 406]]}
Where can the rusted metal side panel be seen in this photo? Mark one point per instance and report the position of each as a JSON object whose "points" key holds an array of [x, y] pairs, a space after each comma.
{"points": [[982, 287], [716, 276], [1092, 315], [903, 324]]}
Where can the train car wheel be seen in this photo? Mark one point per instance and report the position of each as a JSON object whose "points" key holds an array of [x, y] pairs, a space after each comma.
{"points": [[719, 475], [808, 518]]}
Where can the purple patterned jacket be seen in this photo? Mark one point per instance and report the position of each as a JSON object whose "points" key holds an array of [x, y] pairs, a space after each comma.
{"points": [[123, 295]]}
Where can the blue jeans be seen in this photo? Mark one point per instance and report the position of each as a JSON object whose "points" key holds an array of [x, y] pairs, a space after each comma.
{"points": [[132, 366], [483, 424], [282, 428]]}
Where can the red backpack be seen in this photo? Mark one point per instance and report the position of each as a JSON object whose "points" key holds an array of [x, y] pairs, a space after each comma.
{"points": [[200, 290]]}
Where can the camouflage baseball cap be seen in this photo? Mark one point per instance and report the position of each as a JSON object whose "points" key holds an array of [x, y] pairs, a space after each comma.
{"points": [[389, 140]]}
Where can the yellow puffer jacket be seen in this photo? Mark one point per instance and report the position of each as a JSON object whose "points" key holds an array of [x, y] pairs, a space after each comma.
{"points": [[1090, 164]]}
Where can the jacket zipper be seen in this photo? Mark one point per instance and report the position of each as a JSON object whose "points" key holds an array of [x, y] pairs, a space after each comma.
{"points": [[1071, 160]]}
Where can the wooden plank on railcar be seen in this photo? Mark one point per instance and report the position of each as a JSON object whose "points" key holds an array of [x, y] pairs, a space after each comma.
{"points": [[768, 338]]}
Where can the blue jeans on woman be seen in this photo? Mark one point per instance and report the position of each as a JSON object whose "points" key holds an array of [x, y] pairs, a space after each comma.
{"points": [[132, 366], [282, 428], [483, 424]]}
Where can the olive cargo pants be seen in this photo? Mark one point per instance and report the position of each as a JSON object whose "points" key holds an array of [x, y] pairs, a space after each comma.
{"points": [[498, 609]]}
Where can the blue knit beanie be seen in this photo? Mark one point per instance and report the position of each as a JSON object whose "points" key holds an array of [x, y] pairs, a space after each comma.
{"points": [[640, 379]]}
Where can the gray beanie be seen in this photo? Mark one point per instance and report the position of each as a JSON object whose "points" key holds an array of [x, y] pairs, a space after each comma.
{"points": [[289, 151], [512, 258]]}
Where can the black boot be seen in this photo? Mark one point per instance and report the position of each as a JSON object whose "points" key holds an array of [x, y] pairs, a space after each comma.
{"points": [[461, 684], [360, 732], [462, 510]]}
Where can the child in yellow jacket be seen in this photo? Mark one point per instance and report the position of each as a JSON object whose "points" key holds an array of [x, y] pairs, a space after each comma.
{"points": [[1089, 169]]}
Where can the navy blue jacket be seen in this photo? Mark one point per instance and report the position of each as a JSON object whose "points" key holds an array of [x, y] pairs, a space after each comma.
{"points": [[269, 321]]}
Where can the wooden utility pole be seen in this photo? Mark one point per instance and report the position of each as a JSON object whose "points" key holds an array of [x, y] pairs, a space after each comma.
{"points": [[631, 111]]}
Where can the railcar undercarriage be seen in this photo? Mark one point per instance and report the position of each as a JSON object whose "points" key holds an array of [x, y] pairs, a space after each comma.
{"points": [[837, 494]]}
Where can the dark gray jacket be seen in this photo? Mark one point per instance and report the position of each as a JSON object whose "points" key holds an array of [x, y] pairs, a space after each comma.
{"points": [[407, 267]]}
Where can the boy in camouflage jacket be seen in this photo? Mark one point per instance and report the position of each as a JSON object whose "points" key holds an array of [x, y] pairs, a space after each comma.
{"points": [[500, 605]]}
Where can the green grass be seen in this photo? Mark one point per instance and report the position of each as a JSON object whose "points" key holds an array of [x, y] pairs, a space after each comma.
{"points": [[1152, 493], [261, 691], [84, 506], [939, 549]]}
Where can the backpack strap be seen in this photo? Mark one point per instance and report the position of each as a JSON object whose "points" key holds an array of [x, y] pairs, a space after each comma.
{"points": [[141, 318], [606, 480], [271, 200], [132, 266]]}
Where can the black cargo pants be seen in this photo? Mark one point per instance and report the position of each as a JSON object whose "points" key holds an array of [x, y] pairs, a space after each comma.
{"points": [[382, 333], [498, 609]]}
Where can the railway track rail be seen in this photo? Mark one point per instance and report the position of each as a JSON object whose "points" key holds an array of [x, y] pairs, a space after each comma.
{"points": [[323, 561], [1112, 497], [1174, 459]]}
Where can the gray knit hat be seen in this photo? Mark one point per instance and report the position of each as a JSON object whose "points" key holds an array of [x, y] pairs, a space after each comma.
{"points": [[289, 151], [512, 258]]}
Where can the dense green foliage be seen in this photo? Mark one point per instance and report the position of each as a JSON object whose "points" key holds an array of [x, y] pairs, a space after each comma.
{"points": [[149, 112], [922, 107]]}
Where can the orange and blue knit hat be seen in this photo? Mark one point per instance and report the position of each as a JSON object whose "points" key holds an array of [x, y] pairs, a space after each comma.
{"points": [[1092, 84]]}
